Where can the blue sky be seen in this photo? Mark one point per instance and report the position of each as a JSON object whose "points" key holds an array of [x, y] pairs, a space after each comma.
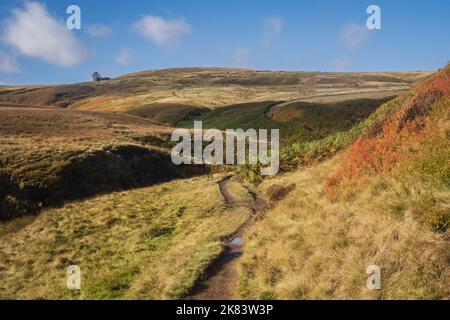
{"points": [[119, 37]]}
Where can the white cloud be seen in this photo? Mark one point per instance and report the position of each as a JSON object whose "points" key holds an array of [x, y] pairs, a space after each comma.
{"points": [[98, 30], [240, 57], [163, 33], [2, 83], [353, 35], [33, 32], [339, 65], [123, 58], [272, 29], [8, 64]]}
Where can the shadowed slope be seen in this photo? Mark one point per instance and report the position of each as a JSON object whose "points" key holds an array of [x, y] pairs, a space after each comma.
{"points": [[49, 156]]}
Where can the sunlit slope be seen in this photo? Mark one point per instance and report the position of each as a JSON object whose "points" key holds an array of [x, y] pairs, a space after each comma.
{"points": [[298, 122], [414, 135], [210, 87], [150, 243], [384, 201]]}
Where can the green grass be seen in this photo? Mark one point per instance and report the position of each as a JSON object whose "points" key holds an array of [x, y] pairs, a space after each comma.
{"points": [[150, 243], [329, 118], [156, 242], [167, 113], [314, 132], [323, 129], [310, 121], [252, 115], [299, 154]]}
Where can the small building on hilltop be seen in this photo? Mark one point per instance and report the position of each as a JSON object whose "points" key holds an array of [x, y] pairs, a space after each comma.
{"points": [[97, 77]]}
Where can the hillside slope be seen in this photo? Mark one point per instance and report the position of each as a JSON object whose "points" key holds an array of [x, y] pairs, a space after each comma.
{"points": [[415, 135], [192, 88], [385, 201], [149, 243], [49, 156]]}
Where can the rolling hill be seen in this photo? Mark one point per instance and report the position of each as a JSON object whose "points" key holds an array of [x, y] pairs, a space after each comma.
{"points": [[385, 201], [364, 181], [211, 88], [52, 139], [49, 156]]}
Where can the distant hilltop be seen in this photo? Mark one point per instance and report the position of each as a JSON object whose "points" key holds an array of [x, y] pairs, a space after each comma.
{"points": [[193, 88]]}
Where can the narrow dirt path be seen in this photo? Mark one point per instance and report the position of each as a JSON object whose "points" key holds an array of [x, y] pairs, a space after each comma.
{"points": [[222, 274], [223, 187]]}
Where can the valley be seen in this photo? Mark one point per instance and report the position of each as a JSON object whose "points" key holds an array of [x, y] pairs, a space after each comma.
{"points": [[87, 179]]}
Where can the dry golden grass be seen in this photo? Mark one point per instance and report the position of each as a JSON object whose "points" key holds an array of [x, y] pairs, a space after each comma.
{"points": [[154, 243], [48, 156], [83, 126], [309, 247], [150, 243], [212, 88], [217, 88]]}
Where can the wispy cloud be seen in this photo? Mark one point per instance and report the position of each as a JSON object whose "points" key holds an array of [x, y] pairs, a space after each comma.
{"points": [[98, 30], [354, 35], [123, 58], [33, 32], [272, 29], [340, 65], [2, 83], [8, 64], [163, 33], [240, 57]]}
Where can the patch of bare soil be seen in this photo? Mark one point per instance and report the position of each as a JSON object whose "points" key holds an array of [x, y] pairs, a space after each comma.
{"points": [[278, 192]]}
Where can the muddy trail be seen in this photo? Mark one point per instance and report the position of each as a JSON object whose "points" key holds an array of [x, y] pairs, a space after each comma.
{"points": [[222, 275]]}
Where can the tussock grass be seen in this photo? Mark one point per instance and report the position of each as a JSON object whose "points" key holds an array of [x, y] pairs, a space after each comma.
{"points": [[48, 157], [385, 201], [150, 243], [155, 242], [208, 87], [311, 247]]}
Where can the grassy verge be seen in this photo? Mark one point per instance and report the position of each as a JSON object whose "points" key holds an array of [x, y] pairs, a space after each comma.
{"points": [[311, 247], [150, 243], [385, 202]]}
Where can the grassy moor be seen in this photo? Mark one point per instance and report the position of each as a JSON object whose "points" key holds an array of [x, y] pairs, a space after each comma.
{"points": [[77, 170], [225, 156]]}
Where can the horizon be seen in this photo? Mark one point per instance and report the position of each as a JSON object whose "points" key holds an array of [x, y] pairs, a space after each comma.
{"points": [[36, 47], [224, 68]]}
